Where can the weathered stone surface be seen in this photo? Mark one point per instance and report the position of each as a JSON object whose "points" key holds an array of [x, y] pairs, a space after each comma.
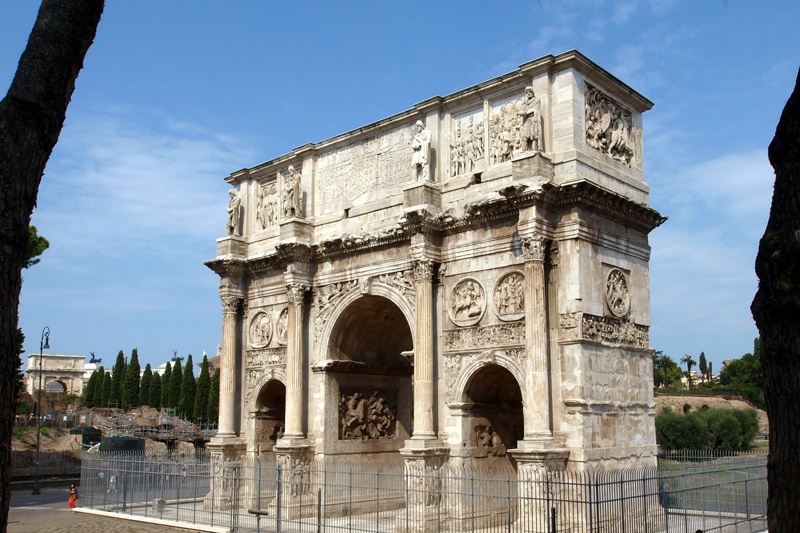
{"points": [[487, 250]]}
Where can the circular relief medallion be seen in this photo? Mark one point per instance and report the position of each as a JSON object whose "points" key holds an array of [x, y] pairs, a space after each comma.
{"points": [[260, 330], [282, 326], [509, 296], [467, 302], [618, 295]]}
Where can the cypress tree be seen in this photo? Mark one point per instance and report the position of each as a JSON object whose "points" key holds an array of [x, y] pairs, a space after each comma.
{"points": [[155, 391], [89, 390], [188, 387], [97, 395], [202, 392], [144, 386], [117, 375], [213, 399], [108, 384], [130, 385], [166, 379], [175, 382]]}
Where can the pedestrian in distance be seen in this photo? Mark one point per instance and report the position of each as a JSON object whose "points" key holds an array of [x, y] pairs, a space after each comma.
{"points": [[73, 496]]}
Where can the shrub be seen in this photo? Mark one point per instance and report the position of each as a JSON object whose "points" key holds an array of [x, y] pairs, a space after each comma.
{"points": [[730, 429]]}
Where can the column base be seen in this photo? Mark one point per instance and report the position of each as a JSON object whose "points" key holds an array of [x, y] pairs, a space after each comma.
{"points": [[226, 453]]}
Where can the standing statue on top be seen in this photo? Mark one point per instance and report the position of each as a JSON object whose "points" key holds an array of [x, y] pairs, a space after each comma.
{"points": [[234, 207], [291, 193], [421, 145]]}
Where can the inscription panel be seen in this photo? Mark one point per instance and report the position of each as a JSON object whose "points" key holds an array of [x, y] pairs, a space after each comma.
{"points": [[367, 166]]}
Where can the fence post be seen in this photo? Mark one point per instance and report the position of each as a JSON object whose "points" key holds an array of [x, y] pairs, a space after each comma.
{"points": [[644, 498], [278, 498]]}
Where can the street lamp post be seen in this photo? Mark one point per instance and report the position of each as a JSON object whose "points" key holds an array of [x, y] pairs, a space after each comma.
{"points": [[43, 343]]}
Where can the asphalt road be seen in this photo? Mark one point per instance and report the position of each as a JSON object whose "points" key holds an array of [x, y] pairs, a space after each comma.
{"points": [[49, 512]]}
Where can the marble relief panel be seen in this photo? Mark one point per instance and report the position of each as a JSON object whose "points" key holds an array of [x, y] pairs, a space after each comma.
{"points": [[467, 138], [610, 129]]}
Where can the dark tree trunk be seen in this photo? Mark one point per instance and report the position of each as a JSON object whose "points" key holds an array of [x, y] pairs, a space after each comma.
{"points": [[776, 309], [31, 117]]}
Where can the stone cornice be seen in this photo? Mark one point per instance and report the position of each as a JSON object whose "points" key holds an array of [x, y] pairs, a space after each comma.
{"points": [[593, 198], [234, 268]]}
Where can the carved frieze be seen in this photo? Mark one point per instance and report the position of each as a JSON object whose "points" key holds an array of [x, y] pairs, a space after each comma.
{"points": [[618, 294], [260, 331], [510, 334], [266, 357], [605, 330], [364, 415], [515, 127], [267, 206], [467, 145], [467, 302], [509, 296], [609, 128]]}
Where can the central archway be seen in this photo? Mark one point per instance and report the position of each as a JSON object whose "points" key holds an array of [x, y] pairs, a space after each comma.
{"points": [[368, 378]]}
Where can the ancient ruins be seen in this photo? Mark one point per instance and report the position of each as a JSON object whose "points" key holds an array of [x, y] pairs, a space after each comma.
{"points": [[465, 281]]}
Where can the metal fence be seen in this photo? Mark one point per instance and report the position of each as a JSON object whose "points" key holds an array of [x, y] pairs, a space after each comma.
{"points": [[51, 464], [719, 494]]}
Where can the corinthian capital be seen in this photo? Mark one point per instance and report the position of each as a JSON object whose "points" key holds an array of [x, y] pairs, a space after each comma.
{"points": [[533, 248], [296, 291], [231, 304], [423, 270]]}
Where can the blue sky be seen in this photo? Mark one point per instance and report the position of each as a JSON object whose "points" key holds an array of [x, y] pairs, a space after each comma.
{"points": [[176, 95]]}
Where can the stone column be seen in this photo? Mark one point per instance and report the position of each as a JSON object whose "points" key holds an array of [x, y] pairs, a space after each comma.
{"points": [[231, 306], [423, 351], [295, 399], [537, 404]]}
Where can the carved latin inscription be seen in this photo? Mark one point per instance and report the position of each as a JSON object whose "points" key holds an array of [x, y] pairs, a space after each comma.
{"points": [[371, 165]]}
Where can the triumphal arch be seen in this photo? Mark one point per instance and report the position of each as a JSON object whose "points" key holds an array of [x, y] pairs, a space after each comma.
{"points": [[465, 281]]}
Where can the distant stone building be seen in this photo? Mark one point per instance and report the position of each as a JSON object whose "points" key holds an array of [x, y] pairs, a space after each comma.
{"points": [[59, 373], [463, 281]]}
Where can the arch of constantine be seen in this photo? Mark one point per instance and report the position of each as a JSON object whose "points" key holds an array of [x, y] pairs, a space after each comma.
{"points": [[465, 281]]}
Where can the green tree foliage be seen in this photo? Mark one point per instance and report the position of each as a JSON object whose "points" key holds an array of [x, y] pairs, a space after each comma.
{"points": [[689, 362], [166, 379], [144, 386], [707, 429], [35, 247], [130, 386], [97, 397], [188, 386], [746, 376], [702, 365], [202, 393], [117, 377], [213, 399], [108, 384], [175, 382], [155, 391], [89, 391], [666, 372]]}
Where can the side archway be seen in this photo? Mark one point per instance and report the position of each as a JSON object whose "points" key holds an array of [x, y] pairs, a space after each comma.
{"points": [[491, 408]]}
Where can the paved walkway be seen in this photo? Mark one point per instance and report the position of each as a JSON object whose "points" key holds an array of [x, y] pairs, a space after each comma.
{"points": [[50, 512]]}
